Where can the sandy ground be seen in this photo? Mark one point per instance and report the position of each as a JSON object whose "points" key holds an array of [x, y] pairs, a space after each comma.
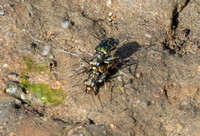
{"points": [[157, 95]]}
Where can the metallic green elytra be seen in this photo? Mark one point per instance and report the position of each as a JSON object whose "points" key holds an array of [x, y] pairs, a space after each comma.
{"points": [[102, 51], [106, 46]]}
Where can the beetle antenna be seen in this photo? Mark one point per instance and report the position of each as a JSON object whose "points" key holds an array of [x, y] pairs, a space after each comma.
{"points": [[100, 101], [94, 101]]}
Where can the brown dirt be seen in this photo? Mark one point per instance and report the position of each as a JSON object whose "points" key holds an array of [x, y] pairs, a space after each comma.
{"points": [[160, 96]]}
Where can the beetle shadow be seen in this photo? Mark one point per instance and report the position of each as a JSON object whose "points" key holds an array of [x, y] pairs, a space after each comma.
{"points": [[125, 52]]}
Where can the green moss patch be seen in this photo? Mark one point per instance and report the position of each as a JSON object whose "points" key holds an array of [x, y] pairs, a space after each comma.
{"points": [[44, 92], [48, 95], [24, 83], [33, 66]]}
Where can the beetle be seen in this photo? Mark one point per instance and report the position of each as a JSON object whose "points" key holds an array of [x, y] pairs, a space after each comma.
{"points": [[102, 51], [90, 82], [106, 46], [97, 75]]}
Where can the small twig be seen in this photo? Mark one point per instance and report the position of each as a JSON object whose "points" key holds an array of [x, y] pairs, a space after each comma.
{"points": [[81, 65], [123, 73], [78, 74], [40, 41], [111, 92], [64, 51], [67, 52], [89, 53], [122, 43], [130, 71], [78, 51], [122, 88], [95, 39]]}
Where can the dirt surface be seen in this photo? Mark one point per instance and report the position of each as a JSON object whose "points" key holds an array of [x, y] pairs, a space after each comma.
{"points": [[157, 95]]}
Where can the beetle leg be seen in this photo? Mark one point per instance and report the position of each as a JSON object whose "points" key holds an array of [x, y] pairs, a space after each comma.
{"points": [[95, 89]]}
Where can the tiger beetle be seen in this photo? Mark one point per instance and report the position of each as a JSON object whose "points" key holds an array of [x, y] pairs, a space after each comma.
{"points": [[101, 63], [91, 82], [98, 75], [102, 52]]}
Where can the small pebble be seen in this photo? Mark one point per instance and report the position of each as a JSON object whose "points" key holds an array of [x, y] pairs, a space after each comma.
{"points": [[109, 2], [51, 56], [11, 90], [138, 100], [138, 75], [179, 127], [148, 35], [9, 33], [17, 103], [46, 50], [119, 78], [183, 103], [5, 65], [65, 24], [22, 96], [148, 103], [110, 14], [2, 13], [112, 126]]}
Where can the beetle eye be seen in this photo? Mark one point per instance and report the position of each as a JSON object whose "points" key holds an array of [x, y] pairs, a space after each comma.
{"points": [[92, 84], [88, 89], [100, 81]]}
